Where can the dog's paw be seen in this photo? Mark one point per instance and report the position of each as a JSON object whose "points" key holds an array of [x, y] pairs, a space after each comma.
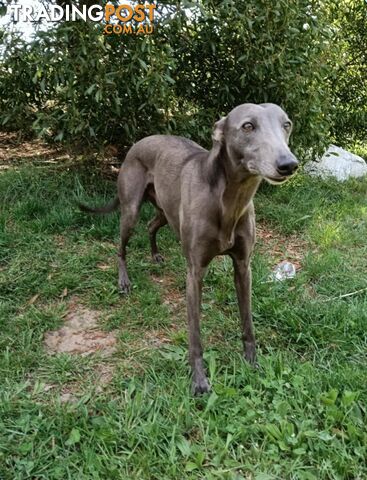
{"points": [[253, 364], [250, 354], [158, 258], [124, 287], [200, 386]]}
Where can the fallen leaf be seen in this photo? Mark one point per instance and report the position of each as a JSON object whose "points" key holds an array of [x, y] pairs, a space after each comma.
{"points": [[104, 267], [33, 299]]}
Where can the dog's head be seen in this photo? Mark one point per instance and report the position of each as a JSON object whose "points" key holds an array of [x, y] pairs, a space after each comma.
{"points": [[255, 138]]}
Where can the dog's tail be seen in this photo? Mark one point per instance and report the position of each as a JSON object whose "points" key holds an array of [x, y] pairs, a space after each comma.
{"points": [[110, 207]]}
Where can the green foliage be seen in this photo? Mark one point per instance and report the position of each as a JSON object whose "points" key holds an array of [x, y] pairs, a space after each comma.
{"points": [[253, 51], [74, 84], [349, 79]]}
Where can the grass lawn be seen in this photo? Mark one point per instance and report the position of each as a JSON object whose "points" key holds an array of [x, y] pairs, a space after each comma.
{"points": [[129, 414]]}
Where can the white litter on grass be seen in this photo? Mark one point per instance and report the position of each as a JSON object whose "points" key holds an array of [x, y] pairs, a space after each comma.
{"points": [[339, 163], [283, 271]]}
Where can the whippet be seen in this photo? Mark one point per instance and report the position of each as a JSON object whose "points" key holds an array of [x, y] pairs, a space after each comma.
{"points": [[207, 199]]}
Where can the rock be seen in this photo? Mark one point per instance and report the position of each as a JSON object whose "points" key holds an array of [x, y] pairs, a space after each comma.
{"points": [[338, 163]]}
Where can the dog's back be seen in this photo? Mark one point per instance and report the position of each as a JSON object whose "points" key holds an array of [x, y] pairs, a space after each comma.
{"points": [[161, 159], [164, 152]]}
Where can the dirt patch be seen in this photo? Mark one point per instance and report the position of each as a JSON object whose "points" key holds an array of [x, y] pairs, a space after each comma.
{"points": [[80, 334], [280, 247], [16, 151], [157, 338], [173, 297], [13, 151]]}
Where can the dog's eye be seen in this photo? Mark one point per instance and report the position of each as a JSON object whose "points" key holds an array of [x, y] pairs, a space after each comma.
{"points": [[287, 125], [248, 127]]}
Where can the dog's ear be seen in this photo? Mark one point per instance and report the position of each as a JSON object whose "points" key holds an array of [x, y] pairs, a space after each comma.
{"points": [[218, 132]]}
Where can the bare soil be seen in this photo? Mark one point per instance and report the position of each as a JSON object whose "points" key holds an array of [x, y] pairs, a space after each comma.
{"points": [[80, 334], [281, 247], [12, 151]]}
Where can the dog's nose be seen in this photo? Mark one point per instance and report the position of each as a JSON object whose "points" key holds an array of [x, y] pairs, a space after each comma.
{"points": [[286, 165]]}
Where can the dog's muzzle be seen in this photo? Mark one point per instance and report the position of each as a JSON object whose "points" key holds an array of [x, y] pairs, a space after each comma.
{"points": [[286, 165]]}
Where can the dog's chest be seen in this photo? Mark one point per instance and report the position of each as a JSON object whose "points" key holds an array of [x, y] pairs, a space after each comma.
{"points": [[227, 232], [233, 207], [227, 243]]}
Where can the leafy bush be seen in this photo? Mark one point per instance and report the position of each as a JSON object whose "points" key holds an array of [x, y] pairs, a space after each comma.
{"points": [[73, 84], [348, 82], [251, 51]]}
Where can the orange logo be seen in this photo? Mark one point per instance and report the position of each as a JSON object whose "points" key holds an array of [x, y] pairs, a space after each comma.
{"points": [[129, 19]]}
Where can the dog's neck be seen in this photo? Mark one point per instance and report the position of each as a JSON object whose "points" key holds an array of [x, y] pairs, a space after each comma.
{"points": [[236, 188], [235, 183]]}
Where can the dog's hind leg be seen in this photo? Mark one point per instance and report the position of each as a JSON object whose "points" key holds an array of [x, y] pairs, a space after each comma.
{"points": [[154, 225], [131, 184]]}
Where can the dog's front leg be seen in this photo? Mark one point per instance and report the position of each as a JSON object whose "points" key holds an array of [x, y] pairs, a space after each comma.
{"points": [[194, 282], [242, 280]]}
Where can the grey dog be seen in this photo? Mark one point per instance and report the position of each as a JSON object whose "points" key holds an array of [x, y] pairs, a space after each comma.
{"points": [[207, 198]]}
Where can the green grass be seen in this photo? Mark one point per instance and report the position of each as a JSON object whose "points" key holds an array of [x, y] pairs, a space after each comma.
{"points": [[302, 415]]}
